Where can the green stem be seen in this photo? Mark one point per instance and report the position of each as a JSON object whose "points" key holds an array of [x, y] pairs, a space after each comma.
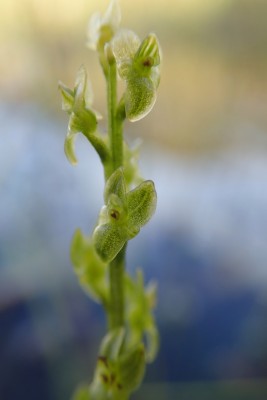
{"points": [[114, 119], [116, 278], [115, 132]]}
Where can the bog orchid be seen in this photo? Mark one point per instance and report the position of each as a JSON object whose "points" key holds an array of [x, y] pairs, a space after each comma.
{"points": [[129, 203]]}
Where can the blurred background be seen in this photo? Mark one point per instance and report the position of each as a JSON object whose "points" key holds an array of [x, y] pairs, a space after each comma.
{"points": [[205, 146]]}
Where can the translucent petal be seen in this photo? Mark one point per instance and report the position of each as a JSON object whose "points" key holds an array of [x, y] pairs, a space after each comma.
{"points": [[155, 75], [112, 15], [93, 30], [140, 97], [80, 87], [125, 45], [102, 28]]}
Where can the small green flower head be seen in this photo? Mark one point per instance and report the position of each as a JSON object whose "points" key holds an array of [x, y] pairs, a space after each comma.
{"points": [[119, 370], [101, 29], [139, 65], [77, 103], [123, 215]]}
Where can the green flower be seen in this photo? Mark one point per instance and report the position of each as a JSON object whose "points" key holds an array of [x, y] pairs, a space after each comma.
{"points": [[83, 118], [101, 29], [123, 214], [119, 370], [139, 65]]}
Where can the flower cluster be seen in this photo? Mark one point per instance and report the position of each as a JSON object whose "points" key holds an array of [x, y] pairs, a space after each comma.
{"points": [[138, 62], [123, 214]]}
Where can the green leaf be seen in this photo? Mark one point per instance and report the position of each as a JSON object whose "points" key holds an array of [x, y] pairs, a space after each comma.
{"points": [[141, 204], [109, 240]]}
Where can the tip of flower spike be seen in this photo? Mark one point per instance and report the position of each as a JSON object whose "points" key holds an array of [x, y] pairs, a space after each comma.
{"points": [[102, 28], [113, 14]]}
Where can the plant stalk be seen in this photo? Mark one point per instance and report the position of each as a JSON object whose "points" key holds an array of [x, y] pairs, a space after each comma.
{"points": [[114, 119], [116, 278], [115, 132]]}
